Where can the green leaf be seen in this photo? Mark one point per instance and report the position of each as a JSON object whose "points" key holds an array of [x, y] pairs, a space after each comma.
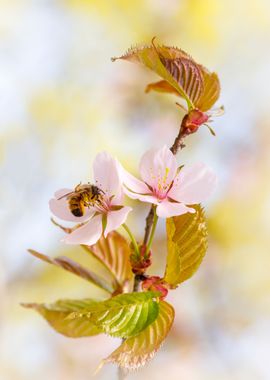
{"points": [[187, 245], [56, 315], [75, 268], [183, 74], [113, 252], [124, 315], [136, 351]]}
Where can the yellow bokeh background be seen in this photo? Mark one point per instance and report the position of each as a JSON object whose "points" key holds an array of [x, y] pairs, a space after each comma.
{"points": [[61, 102]]}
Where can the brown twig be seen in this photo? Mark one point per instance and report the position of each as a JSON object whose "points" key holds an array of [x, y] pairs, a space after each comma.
{"points": [[178, 142]]}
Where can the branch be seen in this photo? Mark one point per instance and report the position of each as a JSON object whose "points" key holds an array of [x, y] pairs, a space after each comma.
{"points": [[178, 142]]}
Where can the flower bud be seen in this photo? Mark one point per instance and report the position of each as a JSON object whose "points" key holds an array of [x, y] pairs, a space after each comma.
{"points": [[193, 120], [141, 263], [155, 284]]}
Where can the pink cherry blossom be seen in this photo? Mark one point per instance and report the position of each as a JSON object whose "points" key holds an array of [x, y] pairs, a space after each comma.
{"points": [[169, 188], [109, 212]]}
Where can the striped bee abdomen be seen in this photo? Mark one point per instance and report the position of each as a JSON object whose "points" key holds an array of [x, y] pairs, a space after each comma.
{"points": [[76, 206]]}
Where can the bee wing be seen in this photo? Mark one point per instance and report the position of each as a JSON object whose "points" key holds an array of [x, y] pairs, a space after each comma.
{"points": [[66, 195]]}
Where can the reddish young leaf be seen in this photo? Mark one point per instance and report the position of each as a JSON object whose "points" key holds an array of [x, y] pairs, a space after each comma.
{"points": [[75, 268], [183, 75], [114, 253]]}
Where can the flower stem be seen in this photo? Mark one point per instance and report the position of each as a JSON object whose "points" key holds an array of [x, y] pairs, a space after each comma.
{"points": [[132, 238], [155, 219], [148, 224]]}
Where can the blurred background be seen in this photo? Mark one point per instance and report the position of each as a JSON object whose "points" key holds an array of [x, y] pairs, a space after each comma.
{"points": [[62, 101]]}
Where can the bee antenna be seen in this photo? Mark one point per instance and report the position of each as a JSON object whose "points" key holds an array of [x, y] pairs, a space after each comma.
{"points": [[65, 195]]}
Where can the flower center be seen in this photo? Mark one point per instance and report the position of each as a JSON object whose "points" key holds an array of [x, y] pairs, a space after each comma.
{"points": [[162, 185], [103, 207]]}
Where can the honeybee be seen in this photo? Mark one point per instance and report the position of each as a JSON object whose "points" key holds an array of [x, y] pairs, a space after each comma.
{"points": [[83, 196]]}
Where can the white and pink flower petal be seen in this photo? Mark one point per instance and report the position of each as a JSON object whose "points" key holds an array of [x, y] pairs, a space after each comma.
{"points": [[88, 234], [149, 198], [134, 184], [158, 168], [116, 218], [107, 177], [193, 184], [60, 208], [167, 209]]}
